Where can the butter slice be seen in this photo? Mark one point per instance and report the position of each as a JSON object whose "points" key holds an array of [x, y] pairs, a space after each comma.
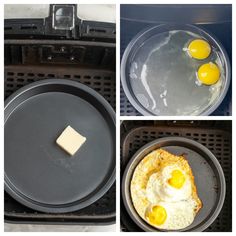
{"points": [[70, 140]]}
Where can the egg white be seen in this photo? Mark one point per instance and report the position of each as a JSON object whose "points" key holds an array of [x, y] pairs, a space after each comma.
{"points": [[158, 188], [179, 214], [150, 187]]}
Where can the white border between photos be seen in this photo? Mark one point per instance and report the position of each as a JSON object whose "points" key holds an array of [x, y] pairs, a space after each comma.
{"points": [[118, 117]]}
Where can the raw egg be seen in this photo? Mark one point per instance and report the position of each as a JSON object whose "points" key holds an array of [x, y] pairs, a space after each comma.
{"points": [[199, 49], [208, 73]]}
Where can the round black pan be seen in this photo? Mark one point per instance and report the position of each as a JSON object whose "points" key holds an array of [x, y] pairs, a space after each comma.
{"points": [[209, 179], [38, 173]]}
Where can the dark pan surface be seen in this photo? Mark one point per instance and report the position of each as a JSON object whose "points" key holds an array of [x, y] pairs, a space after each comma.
{"points": [[209, 179], [103, 81], [38, 173]]}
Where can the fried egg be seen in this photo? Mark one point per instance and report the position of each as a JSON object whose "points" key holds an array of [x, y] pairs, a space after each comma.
{"points": [[163, 191], [171, 215], [171, 184]]}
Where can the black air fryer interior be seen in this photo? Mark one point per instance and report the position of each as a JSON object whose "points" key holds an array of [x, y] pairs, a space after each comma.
{"points": [[215, 19], [34, 51], [215, 135]]}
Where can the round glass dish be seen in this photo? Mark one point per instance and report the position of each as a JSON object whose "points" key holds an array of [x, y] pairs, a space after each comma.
{"points": [[159, 76]]}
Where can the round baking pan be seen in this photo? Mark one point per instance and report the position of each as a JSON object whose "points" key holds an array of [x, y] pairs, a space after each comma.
{"points": [[209, 179], [38, 173], [141, 40]]}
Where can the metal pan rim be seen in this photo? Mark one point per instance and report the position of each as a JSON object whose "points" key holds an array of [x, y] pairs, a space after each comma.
{"points": [[48, 208]]}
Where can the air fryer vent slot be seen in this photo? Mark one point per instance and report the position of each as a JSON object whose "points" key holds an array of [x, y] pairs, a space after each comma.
{"points": [[28, 27], [94, 30]]}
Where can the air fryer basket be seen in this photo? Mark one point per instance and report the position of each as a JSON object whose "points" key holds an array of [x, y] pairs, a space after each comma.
{"points": [[215, 135], [34, 51]]}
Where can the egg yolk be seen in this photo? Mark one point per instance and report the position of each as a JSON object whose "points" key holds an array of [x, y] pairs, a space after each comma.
{"points": [[157, 216], [209, 73], [199, 49], [177, 179]]}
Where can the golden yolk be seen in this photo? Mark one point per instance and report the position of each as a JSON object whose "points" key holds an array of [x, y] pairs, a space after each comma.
{"points": [[199, 49], [177, 179], [209, 73], [157, 215]]}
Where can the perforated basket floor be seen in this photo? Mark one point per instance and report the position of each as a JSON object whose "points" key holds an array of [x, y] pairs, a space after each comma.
{"points": [[217, 140], [103, 81]]}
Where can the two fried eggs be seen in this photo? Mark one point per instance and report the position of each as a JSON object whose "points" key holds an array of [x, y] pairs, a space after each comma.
{"points": [[163, 191]]}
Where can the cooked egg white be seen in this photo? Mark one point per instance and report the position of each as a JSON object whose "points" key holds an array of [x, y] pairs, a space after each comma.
{"points": [[171, 215], [171, 185], [163, 191]]}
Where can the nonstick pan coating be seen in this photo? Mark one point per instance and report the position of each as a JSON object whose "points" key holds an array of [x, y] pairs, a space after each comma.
{"points": [[209, 179], [38, 173]]}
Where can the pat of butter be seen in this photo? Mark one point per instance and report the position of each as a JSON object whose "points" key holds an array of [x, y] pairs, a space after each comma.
{"points": [[70, 140]]}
